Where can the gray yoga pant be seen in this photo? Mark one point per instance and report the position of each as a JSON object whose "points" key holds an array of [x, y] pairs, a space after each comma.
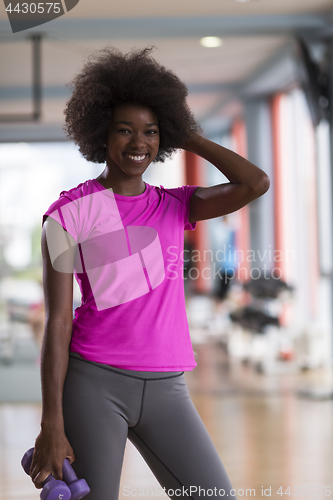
{"points": [[103, 406]]}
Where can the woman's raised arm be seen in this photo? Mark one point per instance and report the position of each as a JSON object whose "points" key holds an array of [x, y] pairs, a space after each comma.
{"points": [[247, 182]]}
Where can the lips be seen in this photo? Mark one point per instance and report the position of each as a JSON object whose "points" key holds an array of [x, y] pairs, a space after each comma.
{"points": [[136, 158]]}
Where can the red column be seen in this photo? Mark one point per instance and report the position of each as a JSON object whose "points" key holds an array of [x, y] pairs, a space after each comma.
{"points": [[278, 181], [199, 237], [243, 243]]}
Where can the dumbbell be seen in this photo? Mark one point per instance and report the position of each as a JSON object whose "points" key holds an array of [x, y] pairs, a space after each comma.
{"points": [[71, 488], [53, 489]]}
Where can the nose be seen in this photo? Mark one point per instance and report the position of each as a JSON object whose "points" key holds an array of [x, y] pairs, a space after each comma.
{"points": [[138, 140]]}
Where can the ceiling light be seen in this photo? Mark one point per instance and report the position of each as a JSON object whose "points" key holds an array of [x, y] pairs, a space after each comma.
{"points": [[211, 41]]}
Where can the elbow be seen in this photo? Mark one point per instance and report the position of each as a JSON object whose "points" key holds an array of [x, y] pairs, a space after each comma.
{"points": [[267, 183], [263, 185]]}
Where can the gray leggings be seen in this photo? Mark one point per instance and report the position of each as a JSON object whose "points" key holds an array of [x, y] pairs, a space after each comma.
{"points": [[103, 406]]}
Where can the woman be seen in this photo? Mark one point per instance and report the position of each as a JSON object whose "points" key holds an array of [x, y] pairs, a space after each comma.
{"points": [[117, 369]]}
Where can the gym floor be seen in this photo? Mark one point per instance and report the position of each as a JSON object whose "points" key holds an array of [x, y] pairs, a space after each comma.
{"points": [[271, 431]]}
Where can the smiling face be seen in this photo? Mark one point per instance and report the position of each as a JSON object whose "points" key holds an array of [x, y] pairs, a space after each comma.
{"points": [[133, 139]]}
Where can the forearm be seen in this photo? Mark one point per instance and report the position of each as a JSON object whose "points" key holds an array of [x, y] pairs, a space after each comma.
{"points": [[52, 445], [54, 365], [236, 168]]}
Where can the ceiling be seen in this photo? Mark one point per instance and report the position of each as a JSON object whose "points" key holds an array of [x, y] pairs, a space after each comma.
{"points": [[256, 55]]}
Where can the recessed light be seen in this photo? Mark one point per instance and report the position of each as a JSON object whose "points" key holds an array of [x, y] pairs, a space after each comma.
{"points": [[211, 41]]}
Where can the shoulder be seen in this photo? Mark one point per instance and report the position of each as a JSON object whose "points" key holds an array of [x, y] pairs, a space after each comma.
{"points": [[69, 197], [81, 190], [182, 193]]}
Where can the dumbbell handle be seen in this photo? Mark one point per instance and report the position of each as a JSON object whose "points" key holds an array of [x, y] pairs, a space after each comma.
{"points": [[68, 473]]}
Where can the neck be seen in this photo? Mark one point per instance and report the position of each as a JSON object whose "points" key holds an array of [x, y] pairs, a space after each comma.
{"points": [[127, 187]]}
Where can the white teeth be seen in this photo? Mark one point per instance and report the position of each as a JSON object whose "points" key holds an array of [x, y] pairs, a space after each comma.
{"points": [[137, 158]]}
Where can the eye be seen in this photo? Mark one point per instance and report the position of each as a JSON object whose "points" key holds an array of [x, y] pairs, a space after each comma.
{"points": [[152, 132], [124, 130]]}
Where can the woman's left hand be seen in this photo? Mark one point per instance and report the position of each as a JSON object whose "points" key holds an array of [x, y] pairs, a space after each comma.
{"points": [[192, 143]]}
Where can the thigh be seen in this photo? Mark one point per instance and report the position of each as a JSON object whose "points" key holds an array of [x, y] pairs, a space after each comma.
{"points": [[176, 445], [96, 425]]}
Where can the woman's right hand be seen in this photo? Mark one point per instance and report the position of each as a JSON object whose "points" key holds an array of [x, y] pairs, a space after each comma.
{"points": [[51, 449]]}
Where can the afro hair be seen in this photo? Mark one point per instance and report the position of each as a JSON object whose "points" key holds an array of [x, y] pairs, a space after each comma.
{"points": [[110, 78]]}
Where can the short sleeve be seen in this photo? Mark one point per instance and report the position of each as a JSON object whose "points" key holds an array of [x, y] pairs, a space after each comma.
{"points": [[65, 212], [184, 195], [188, 192]]}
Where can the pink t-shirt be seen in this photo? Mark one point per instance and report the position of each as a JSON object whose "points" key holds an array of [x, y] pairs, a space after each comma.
{"points": [[129, 267]]}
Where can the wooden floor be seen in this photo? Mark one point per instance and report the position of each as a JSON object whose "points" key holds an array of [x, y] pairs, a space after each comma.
{"points": [[268, 434]]}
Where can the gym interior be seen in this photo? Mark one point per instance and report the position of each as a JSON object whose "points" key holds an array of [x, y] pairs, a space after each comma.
{"points": [[258, 282]]}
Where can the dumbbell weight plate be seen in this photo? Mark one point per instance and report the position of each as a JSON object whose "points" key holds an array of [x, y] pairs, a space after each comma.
{"points": [[79, 489], [55, 490], [26, 460]]}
